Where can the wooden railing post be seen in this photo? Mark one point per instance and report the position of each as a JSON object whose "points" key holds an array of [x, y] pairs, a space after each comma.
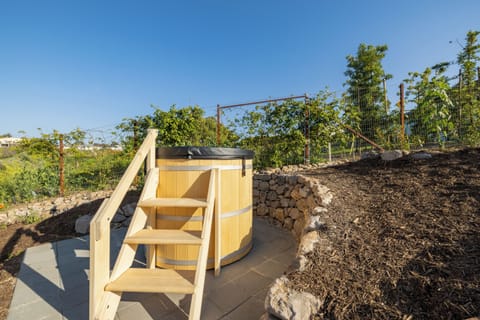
{"points": [[152, 213], [99, 264], [218, 223], [151, 152]]}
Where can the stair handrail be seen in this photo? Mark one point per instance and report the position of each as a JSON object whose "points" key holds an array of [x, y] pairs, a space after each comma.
{"points": [[106, 212], [99, 273]]}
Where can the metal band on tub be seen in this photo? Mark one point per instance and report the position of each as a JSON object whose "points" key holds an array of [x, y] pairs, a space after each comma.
{"points": [[200, 218], [243, 250], [204, 168]]}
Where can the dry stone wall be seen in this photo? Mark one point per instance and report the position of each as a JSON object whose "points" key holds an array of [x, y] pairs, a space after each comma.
{"points": [[293, 201], [297, 203], [52, 206]]}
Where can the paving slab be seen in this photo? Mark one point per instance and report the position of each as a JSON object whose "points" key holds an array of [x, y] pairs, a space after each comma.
{"points": [[53, 282]]}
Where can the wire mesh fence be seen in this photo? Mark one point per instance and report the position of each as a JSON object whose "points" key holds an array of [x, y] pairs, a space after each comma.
{"points": [[363, 120], [45, 167], [286, 131]]}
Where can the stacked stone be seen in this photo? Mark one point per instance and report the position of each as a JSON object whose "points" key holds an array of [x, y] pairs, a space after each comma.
{"points": [[297, 203], [53, 206], [289, 199]]}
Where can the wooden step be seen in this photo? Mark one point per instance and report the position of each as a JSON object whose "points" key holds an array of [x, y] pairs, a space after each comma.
{"points": [[173, 202], [151, 280], [163, 236]]}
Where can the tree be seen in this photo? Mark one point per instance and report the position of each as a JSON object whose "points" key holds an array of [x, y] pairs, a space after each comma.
{"points": [[176, 127], [276, 131], [46, 146], [325, 122], [365, 93], [469, 57], [431, 119], [468, 108]]}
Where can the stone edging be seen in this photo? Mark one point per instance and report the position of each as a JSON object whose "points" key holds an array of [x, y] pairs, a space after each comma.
{"points": [[295, 202], [51, 206]]}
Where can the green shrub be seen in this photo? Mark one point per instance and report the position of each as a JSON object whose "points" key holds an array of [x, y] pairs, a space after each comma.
{"points": [[31, 218], [27, 177], [96, 173]]}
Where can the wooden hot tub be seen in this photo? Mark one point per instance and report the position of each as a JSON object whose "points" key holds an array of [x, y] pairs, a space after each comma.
{"points": [[184, 172]]}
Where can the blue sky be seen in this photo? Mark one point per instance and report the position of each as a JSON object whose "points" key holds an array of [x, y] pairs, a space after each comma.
{"points": [[89, 64]]}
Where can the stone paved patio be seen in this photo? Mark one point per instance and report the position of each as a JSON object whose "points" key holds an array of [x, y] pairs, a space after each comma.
{"points": [[53, 282]]}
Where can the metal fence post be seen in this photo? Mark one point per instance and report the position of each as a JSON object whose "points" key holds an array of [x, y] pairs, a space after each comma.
{"points": [[307, 131], [61, 166], [218, 125], [402, 113]]}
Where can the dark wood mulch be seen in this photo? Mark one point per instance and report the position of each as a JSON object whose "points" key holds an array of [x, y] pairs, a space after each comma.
{"points": [[405, 240]]}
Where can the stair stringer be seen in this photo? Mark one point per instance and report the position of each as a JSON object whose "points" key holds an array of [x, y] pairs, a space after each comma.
{"points": [[109, 301], [199, 282]]}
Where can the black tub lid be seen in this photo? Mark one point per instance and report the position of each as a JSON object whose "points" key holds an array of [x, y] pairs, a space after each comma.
{"points": [[203, 153]]}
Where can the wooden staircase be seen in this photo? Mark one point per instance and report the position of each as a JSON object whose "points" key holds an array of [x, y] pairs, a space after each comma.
{"points": [[106, 288]]}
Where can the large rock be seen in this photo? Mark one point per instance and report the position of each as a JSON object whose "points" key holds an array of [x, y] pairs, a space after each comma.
{"points": [[288, 223], [308, 242], [263, 177], [391, 155], [262, 210], [263, 196], [292, 180], [302, 205], [319, 210], [129, 209], [284, 202], [420, 155], [288, 304], [279, 214], [280, 189], [295, 194], [274, 204], [294, 213], [126, 222], [370, 155], [303, 179], [322, 193], [303, 192], [298, 226], [82, 224], [326, 198], [264, 186], [272, 196], [119, 217], [315, 223], [320, 189], [312, 201]]}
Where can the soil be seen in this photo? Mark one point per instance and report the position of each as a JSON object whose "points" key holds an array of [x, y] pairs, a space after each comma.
{"points": [[15, 238], [404, 240]]}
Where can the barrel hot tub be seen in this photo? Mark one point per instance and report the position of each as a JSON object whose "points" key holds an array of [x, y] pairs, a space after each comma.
{"points": [[184, 172]]}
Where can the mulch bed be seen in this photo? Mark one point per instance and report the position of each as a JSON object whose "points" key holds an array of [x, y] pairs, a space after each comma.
{"points": [[405, 240]]}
